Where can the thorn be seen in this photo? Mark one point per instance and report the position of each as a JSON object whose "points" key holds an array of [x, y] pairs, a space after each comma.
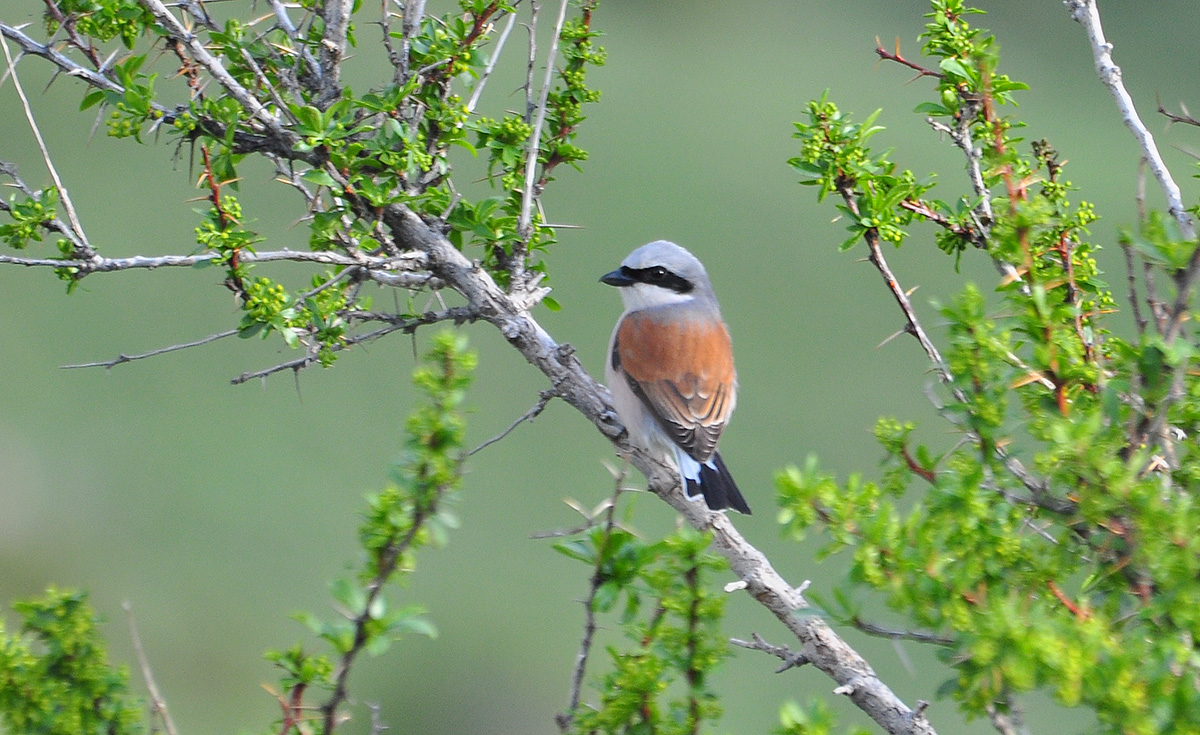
{"points": [[736, 586], [892, 337]]}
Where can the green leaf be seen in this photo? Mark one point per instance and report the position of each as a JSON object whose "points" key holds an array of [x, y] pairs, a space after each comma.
{"points": [[954, 67], [91, 99], [319, 177]]}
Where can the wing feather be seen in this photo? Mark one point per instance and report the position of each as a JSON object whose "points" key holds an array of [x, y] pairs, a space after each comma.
{"points": [[682, 368]]}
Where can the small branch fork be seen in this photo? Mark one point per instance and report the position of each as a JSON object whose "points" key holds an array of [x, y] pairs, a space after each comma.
{"points": [[74, 231], [791, 659], [895, 56]]}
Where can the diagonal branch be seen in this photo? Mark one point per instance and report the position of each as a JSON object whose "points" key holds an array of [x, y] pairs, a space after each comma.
{"points": [[1087, 13], [158, 705], [77, 236], [59, 59], [525, 221], [819, 643]]}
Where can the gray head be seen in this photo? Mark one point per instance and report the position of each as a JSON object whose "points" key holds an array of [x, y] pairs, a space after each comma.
{"points": [[661, 273]]}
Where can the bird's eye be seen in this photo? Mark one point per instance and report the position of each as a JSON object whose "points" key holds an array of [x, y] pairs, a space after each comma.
{"points": [[656, 273]]}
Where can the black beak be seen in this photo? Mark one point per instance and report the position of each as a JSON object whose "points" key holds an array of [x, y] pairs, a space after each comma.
{"points": [[619, 278]]}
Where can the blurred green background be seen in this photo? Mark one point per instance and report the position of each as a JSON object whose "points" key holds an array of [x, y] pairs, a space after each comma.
{"points": [[217, 510]]}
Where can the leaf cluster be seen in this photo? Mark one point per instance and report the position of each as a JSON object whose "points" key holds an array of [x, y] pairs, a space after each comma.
{"points": [[670, 618], [410, 513], [1052, 544], [358, 158], [55, 677]]}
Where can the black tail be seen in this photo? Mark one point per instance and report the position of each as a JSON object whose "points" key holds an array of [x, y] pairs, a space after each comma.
{"points": [[718, 487]]}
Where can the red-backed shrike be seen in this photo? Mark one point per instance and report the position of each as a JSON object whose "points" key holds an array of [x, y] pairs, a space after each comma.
{"points": [[670, 367]]}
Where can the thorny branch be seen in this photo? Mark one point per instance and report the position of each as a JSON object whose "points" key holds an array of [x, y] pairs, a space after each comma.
{"points": [[895, 56], [1037, 486], [1087, 14], [74, 231], [123, 358], [244, 141], [402, 324], [214, 66]]}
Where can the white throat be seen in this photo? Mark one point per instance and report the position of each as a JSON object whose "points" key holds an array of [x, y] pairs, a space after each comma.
{"points": [[644, 295]]}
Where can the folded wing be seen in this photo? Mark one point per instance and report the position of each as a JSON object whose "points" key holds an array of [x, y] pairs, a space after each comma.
{"points": [[683, 369]]}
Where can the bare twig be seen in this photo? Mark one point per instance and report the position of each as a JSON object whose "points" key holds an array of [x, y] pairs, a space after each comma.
{"points": [[157, 704], [534, 411], [414, 11], [1007, 717], [1185, 118], [123, 358], [79, 238], [535, 8], [895, 56], [525, 221], [1131, 275], [920, 636], [791, 659], [487, 72]]}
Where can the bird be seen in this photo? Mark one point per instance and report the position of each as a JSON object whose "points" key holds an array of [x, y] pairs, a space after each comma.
{"points": [[670, 368]]}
